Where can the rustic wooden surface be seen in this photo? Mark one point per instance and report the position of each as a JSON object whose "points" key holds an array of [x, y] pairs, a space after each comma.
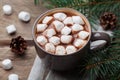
{"points": [[21, 65]]}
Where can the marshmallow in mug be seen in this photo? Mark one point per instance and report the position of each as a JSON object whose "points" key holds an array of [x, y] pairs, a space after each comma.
{"points": [[68, 21], [47, 19], [66, 30], [41, 27], [7, 64], [77, 27], [58, 25], [60, 50], [13, 77], [79, 43], [49, 47], [83, 34], [70, 49], [60, 16], [11, 29], [50, 32], [66, 39], [24, 16], [42, 40], [55, 40], [77, 20], [7, 9]]}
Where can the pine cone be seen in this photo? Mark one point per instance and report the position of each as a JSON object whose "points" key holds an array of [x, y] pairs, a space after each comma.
{"points": [[108, 21], [18, 45]]}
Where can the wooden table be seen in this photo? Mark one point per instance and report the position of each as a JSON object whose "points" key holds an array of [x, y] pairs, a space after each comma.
{"points": [[21, 65]]}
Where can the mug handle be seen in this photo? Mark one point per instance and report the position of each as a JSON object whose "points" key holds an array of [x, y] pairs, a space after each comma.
{"points": [[100, 36]]}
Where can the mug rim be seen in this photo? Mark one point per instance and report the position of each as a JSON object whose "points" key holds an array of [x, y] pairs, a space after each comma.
{"points": [[44, 13]]}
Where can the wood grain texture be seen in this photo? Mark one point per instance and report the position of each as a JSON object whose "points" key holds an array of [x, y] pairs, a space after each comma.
{"points": [[21, 65], [23, 29]]}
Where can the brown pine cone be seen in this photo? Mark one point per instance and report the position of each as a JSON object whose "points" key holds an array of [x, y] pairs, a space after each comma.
{"points": [[18, 45], [108, 21]]}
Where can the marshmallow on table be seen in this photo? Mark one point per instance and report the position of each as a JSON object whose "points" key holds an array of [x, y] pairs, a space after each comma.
{"points": [[60, 16], [7, 64], [60, 50], [55, 40], [47, 19], [58, 25], [79, 43], [66, 39], [70, 49], [11, 29], [83, 34], [24, 16], [77, 20], [50, 32], [7, 9], [77, 27], [42, 40], [41, 27], [68, 21], [13, 77], [66, 30], [49, 47]]}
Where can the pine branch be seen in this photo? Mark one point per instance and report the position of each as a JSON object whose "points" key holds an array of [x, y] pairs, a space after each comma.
{"points": [[104, 63]]}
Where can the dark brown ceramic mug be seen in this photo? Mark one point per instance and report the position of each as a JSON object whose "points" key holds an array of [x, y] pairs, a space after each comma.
{"points": [[62, 62]]}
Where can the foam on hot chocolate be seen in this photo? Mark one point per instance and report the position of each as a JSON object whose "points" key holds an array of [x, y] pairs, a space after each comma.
{"points": [[61, 33]]}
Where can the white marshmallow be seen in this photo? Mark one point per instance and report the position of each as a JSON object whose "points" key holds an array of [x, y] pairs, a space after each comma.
{"points": [[13, 77], [66, 30], [49, 47], [7, 9], [60, 16], [66, 39], [11, 29], [83, 34], [60, 50], [77, 27], [42, 40], [41, 27], [7, 64], [58, 25], [47, 19], [78, 43], [55, 40], [68, 21], [77, 20], [50, 32], [24, 16], [70, 49]]}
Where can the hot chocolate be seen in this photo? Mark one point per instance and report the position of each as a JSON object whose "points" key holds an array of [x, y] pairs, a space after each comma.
{"points": [[62, 33]]}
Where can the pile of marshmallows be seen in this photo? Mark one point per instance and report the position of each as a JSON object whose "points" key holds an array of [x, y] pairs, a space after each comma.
{"points": [[23, 16], [61, 34]]}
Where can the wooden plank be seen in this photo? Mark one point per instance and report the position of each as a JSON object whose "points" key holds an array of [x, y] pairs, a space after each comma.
{"points": [[7, 43], [23, 29], [22, 65]]}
